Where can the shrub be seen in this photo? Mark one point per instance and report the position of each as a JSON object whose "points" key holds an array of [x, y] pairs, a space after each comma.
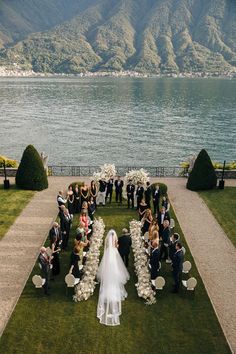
{"points": [[8, 162], [162, 187], [202, 176], [31, 174]]}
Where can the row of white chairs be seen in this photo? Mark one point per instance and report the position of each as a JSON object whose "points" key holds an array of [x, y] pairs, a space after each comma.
{"points": [[189, 284]]}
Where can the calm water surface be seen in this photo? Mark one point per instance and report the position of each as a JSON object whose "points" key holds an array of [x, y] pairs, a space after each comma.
{"points": [[149, 122]]}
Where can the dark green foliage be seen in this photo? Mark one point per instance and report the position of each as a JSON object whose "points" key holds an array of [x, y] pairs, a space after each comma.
{"points": [[31, 174], [162, 187], [146, 36], [202, 176], [74, 183]]}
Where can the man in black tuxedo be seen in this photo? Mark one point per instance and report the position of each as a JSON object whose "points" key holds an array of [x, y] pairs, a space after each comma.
{"points": [[54, 231], [109, 189], [165, 240], [118, 189], [66, 221], [177, 265], [147, 194], [163, 215], [156, 199], [154, 260], [124, 242], [130, 193], [172, 246], [139, 194], [44, 261]]}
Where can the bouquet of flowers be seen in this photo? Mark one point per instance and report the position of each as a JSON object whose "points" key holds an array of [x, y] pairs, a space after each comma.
{"points": [[136, 176], [144, 285], [107, 172], [86, 286]]}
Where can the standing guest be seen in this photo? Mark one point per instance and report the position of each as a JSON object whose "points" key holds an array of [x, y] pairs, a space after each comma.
{"points": [[74, 263], [65, 227], [109, 189], [93, 191], [84, 192], [81, 242], [156, 199], [172, 246], [166, 203], [165, 240], [177, 265], [54, 245], [55, 231], [146, 220], [60, 199], [142, 208], [101, 197], [118, 189], [44, 261], [139, 194], [124, 243], [153, 228], [147, 194], [154, 260], [163, 215], [155, 237], [70, 199], [77, 199], [85, 220], [91, 208], [130, 188]]}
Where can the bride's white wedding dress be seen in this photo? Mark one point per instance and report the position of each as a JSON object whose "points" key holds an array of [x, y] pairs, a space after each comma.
{"points": [[112, 275]]}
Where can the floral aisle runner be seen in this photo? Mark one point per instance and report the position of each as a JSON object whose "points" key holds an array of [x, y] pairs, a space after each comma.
{"points": [[87, 284], [144, 285]]}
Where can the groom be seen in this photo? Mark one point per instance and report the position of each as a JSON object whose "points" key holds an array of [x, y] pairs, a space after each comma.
{"points": [[124, 242]]}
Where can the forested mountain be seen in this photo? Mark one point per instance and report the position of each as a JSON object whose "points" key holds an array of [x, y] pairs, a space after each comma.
{"points": [[144, 35]]}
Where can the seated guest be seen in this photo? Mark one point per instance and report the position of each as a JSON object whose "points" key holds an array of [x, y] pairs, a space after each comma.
{"points": [[74, 263], [70, 200], [101, 197], [142, 208], [172, 249], [165, 203], [84, 206], [66, 221], [80, 229], [153, 228], [148, 193], [130, 193], [139, 194], [124, 243], [165, 240], [60, 199], [156, 199], [76, 199], [154, 260], [44, 261], [163, 215], [146, 220], [85, 220], [177, 265]]}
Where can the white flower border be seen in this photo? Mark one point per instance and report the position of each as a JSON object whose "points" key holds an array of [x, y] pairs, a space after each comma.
{"points": [[86, 286], [144, 285]]}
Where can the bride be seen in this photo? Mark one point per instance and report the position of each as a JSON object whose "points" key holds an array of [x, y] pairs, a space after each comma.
{"points": [[112, 275]]}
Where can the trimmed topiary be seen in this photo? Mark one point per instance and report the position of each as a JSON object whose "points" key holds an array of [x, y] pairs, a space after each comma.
{"points": [[31, 173], [202, 176]]}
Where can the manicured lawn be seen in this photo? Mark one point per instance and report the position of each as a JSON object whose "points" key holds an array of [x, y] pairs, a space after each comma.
{"points": [[177, 324], [222, 204], [12, 203]]}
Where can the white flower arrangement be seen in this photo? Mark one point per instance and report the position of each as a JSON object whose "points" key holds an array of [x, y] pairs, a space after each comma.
{"points": [[86, 286], [144, 285], [107, 172], [136, 176]]}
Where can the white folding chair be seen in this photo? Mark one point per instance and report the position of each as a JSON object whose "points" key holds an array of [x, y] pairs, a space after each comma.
{"points": [[172, 223], [159, 283], [38, 281], [71, 281], [186, 267], [190, 284]]}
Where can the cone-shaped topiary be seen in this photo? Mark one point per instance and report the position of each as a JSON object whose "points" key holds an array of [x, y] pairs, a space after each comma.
{"points": [[203, 175], [31, 174]]}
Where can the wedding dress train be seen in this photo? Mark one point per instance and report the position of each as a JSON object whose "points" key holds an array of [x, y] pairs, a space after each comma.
{"points": [[112, 275]]}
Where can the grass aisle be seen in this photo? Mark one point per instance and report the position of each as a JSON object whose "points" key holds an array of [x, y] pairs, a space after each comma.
{"points": [[176, 324], [222, 204]]}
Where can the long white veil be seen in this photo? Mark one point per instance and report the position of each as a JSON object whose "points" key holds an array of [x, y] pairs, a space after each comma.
{"points": [[112, 275]]}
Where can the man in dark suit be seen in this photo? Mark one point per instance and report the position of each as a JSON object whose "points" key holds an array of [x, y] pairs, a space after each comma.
{"points": [[165, 240], [156, 199], [163, 215], [148, 193], [55, 231], [154, 260], [118, 189], [139, 194], [172, 246], [177, 265], [66, 221], [109, 189], [130, 193], [44, 261], [124, 243]]}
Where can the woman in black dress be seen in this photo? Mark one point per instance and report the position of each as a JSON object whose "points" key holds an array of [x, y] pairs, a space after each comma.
{"points": [[54, 245], [142, 207], [77, 199], [84, 190], [93, 192], [146, 220], [70, 199], [74, 263]]}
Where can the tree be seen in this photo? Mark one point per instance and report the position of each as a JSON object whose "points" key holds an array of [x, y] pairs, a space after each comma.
{"points": [[31, 173], [203, 175]]}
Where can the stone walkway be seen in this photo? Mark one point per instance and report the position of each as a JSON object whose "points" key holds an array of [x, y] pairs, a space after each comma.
{"points": [[214, 254]]}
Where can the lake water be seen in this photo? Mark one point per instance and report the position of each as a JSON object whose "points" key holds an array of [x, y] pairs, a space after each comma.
{"points": [[128, 121]]}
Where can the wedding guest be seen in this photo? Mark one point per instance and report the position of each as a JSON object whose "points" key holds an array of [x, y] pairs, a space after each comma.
{"points": [[146, 220], [109, 190], [80, 243], [70, 200], [142, 208], [153, 228], [81, 229], [172, 246], [84, 192], [85, 220], [155, 237], [65, 227], [154, 260], [166, 203], [130, 188], [44, 261], [55, 260], [165, 240], [74, 263], [124, 244], [163, 215], [60, 199], [147, 194], [101, 197], [55, 231], [119, 189], [76, 199], [93, 191], [91, 208], [177, 265], [139, 194], [156, 199]]}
